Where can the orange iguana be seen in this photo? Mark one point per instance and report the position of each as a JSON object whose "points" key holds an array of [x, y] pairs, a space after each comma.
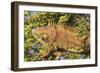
{"points": [[53, 37]]}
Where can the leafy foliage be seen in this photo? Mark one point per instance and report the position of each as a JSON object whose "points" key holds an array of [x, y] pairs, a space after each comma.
{"points": [[72, 56], [82, 26]]}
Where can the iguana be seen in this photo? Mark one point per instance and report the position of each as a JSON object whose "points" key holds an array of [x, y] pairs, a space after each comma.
{"points": [[54, 37]]}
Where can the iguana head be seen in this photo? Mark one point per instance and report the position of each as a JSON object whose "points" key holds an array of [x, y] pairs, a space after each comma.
{"points": [[45, 33]]}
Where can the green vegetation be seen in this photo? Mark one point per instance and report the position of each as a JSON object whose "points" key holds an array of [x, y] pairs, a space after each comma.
{"points": [[34, 50], [72, 56]]}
